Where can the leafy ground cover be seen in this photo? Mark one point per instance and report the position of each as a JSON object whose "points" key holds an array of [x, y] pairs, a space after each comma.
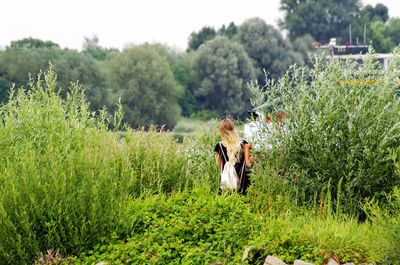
{"points": [[199, 227]]}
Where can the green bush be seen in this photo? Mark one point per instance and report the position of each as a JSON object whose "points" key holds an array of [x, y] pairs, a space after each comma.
{"points": [[341, 123]]}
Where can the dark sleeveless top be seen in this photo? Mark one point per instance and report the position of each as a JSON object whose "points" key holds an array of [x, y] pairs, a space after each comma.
{"points": [[240, 166]]}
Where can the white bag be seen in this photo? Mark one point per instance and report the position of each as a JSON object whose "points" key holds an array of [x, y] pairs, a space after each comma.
{"points": [[229, 177]]}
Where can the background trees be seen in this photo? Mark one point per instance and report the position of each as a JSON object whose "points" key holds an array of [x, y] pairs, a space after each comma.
{"points": [[92, 48], [198, 38], [267, 48], [33, 43], [374, 21], [73, 66], [370, 13], [31, 56], [378, 38], [208, 33], [217, 61], [393, 30], [22, 58], [322, 19], [144, 82], [5, 85], [222, 70]]}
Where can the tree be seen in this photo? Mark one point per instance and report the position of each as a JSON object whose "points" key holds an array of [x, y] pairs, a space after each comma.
{"points": [[379, 40], [185, 75], [267, 48], [303, 45], [30, 43], [175, 59], [5, 86], [209, 33], [393, 30], [20, 60], [223, 70], [372, 23], [73, 66], [143, 80], [322, 19], [17, 63], [180, 64], [92, 48], [229, 31], [370, 13], [197, 39]]}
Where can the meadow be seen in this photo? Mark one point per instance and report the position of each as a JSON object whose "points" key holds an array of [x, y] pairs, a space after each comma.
{"points": [[91, 189]]}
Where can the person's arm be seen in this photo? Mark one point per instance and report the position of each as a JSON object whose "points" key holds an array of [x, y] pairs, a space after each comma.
{"points": [[248, 159], [219, 161]]}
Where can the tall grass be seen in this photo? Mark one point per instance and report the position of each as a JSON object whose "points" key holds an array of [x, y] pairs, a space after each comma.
{"points": [[386, 232], [59, 187], [65, 177]]}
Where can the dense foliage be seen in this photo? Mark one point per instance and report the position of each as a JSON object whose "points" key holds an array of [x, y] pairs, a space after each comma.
{"points": [[143, 79], [322, 19], [205, 34], [64, 177], [222, 79], [341, 128], [189, 92], [30, 56], [77, 180], [267, 48], [69, 184]]}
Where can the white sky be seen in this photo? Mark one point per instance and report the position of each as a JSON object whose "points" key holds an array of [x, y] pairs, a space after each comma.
{"points": [[121, 22]]}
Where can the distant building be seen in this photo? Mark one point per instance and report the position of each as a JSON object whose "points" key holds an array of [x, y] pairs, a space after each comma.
{"points": [[353, 52]]}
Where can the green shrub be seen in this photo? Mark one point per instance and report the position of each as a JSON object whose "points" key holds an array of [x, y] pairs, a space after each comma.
{"points": [[341, 124]]}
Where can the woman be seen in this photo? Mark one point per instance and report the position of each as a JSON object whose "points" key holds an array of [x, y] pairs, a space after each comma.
{"points": [[236, 151]]}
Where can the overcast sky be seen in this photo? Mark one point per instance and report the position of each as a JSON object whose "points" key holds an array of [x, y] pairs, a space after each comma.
{"points": [[121, 22]]}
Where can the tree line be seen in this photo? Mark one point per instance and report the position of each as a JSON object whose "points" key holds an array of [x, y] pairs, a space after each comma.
{"points": [[157, 84]]}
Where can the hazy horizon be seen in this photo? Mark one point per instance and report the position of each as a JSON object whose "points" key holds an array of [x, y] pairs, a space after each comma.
{"points": [[122, 22]]}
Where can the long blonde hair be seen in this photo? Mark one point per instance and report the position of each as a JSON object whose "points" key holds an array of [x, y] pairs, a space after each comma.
{"points": [[230, 139]]}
